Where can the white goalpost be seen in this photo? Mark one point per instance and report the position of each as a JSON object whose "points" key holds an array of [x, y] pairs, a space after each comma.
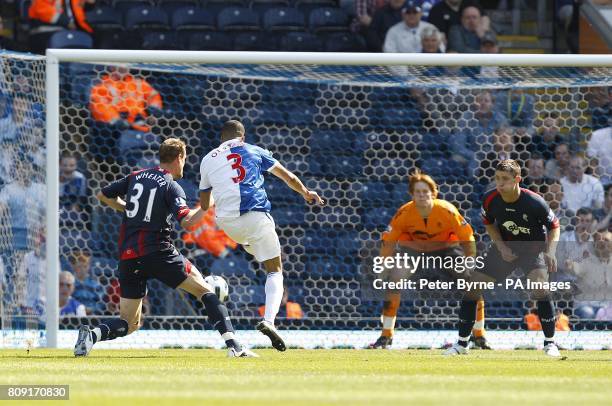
{"points": [[220, 68]]}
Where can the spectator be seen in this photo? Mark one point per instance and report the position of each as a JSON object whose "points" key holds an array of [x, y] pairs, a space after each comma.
{"points": [[558, 167], [49, 16], [383, 19], [576, 245], [431, 41], [364, 11], [547, 136], [210, 240], [517, 106], [604, 215], [465, 38], [503, 148], [69, 306], [120, 101], [405, 36], [8, 129], [536, 176], [289, 310], [73, 185], [24, 202], [447, 13], [87, 289], [488, 43], [605, 312], [124, 100], [599, 99], [6, 43], [600, 150], [594, 277], [475, 131], [581, 189], [532, 321], [553, 194], [33, 269]]}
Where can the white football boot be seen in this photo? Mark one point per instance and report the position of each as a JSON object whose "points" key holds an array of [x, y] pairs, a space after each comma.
{"points": [[84, 342], [456, 349]]}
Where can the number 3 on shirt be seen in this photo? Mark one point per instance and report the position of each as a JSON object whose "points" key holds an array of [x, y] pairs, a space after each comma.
{"points": [[237, 165]]}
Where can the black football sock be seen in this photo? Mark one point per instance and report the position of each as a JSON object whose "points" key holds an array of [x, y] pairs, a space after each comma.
{"points": [[109, 330], [546, 312], [467, 317], [218, 316]]}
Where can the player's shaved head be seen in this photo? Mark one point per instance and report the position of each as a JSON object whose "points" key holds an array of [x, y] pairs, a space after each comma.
{"points": [[232, 129], [170, 149]]}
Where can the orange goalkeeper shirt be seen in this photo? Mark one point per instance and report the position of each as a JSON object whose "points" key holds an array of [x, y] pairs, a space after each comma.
{"points": [[443, 228]]}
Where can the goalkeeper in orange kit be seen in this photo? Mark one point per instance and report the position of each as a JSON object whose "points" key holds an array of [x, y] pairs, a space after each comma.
{"points": [[433, 227]]}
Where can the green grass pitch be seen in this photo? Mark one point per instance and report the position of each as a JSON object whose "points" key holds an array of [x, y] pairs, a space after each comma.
{"points": [[312, 377]]}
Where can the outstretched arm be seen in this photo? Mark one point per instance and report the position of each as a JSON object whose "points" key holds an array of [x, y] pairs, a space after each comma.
{"points": [[195, 215], [296, 184], [116, 203]]}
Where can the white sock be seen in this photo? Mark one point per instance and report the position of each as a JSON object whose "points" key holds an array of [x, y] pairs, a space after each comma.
{"points": [[97, 333], [274, 295]]}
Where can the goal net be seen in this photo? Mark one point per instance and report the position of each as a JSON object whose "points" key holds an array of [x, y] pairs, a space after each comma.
{"points": [[351, 132]]}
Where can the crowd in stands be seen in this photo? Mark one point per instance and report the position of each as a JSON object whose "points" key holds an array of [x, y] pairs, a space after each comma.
{"points": [[290, 25]]}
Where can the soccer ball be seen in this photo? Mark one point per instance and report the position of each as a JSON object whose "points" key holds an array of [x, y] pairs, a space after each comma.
{"points": [[219, 285]]}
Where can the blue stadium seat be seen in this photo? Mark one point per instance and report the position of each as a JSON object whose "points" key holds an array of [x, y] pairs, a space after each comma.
{"points": [[344, 42], [378, 217], [327, 267], [170, 6], [104, 18], [192, 192], [70, 39], [376, 194], [433, 145], [289, 91], [238, 19], [339, 243], [146, 18], [449, 170], [328, 19], [160, 41], [134, 145], [215, 6], [300, 114], [71, 240], [327, 141], [306, 6], [284, 19], [123, 6], [261, 6], [232, 265], [289, 215], [210, 41], [80, 89], [148, 160], [301, 42], [192, 18], [279, 193], [24, 7], [103, 266], [255, 41]]}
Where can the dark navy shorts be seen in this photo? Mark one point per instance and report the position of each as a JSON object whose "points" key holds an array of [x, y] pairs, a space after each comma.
{"points": [[497, 268], [167, 266]]}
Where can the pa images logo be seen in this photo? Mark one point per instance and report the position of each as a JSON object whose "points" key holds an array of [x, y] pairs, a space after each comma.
{"points": [[514, 229]]}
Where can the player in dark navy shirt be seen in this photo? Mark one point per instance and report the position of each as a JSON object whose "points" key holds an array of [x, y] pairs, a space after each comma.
{"points": [[149, 198], [524, 233]]}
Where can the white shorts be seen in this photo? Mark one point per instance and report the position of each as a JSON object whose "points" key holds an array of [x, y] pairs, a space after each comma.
{"points": [[255, 231]]}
